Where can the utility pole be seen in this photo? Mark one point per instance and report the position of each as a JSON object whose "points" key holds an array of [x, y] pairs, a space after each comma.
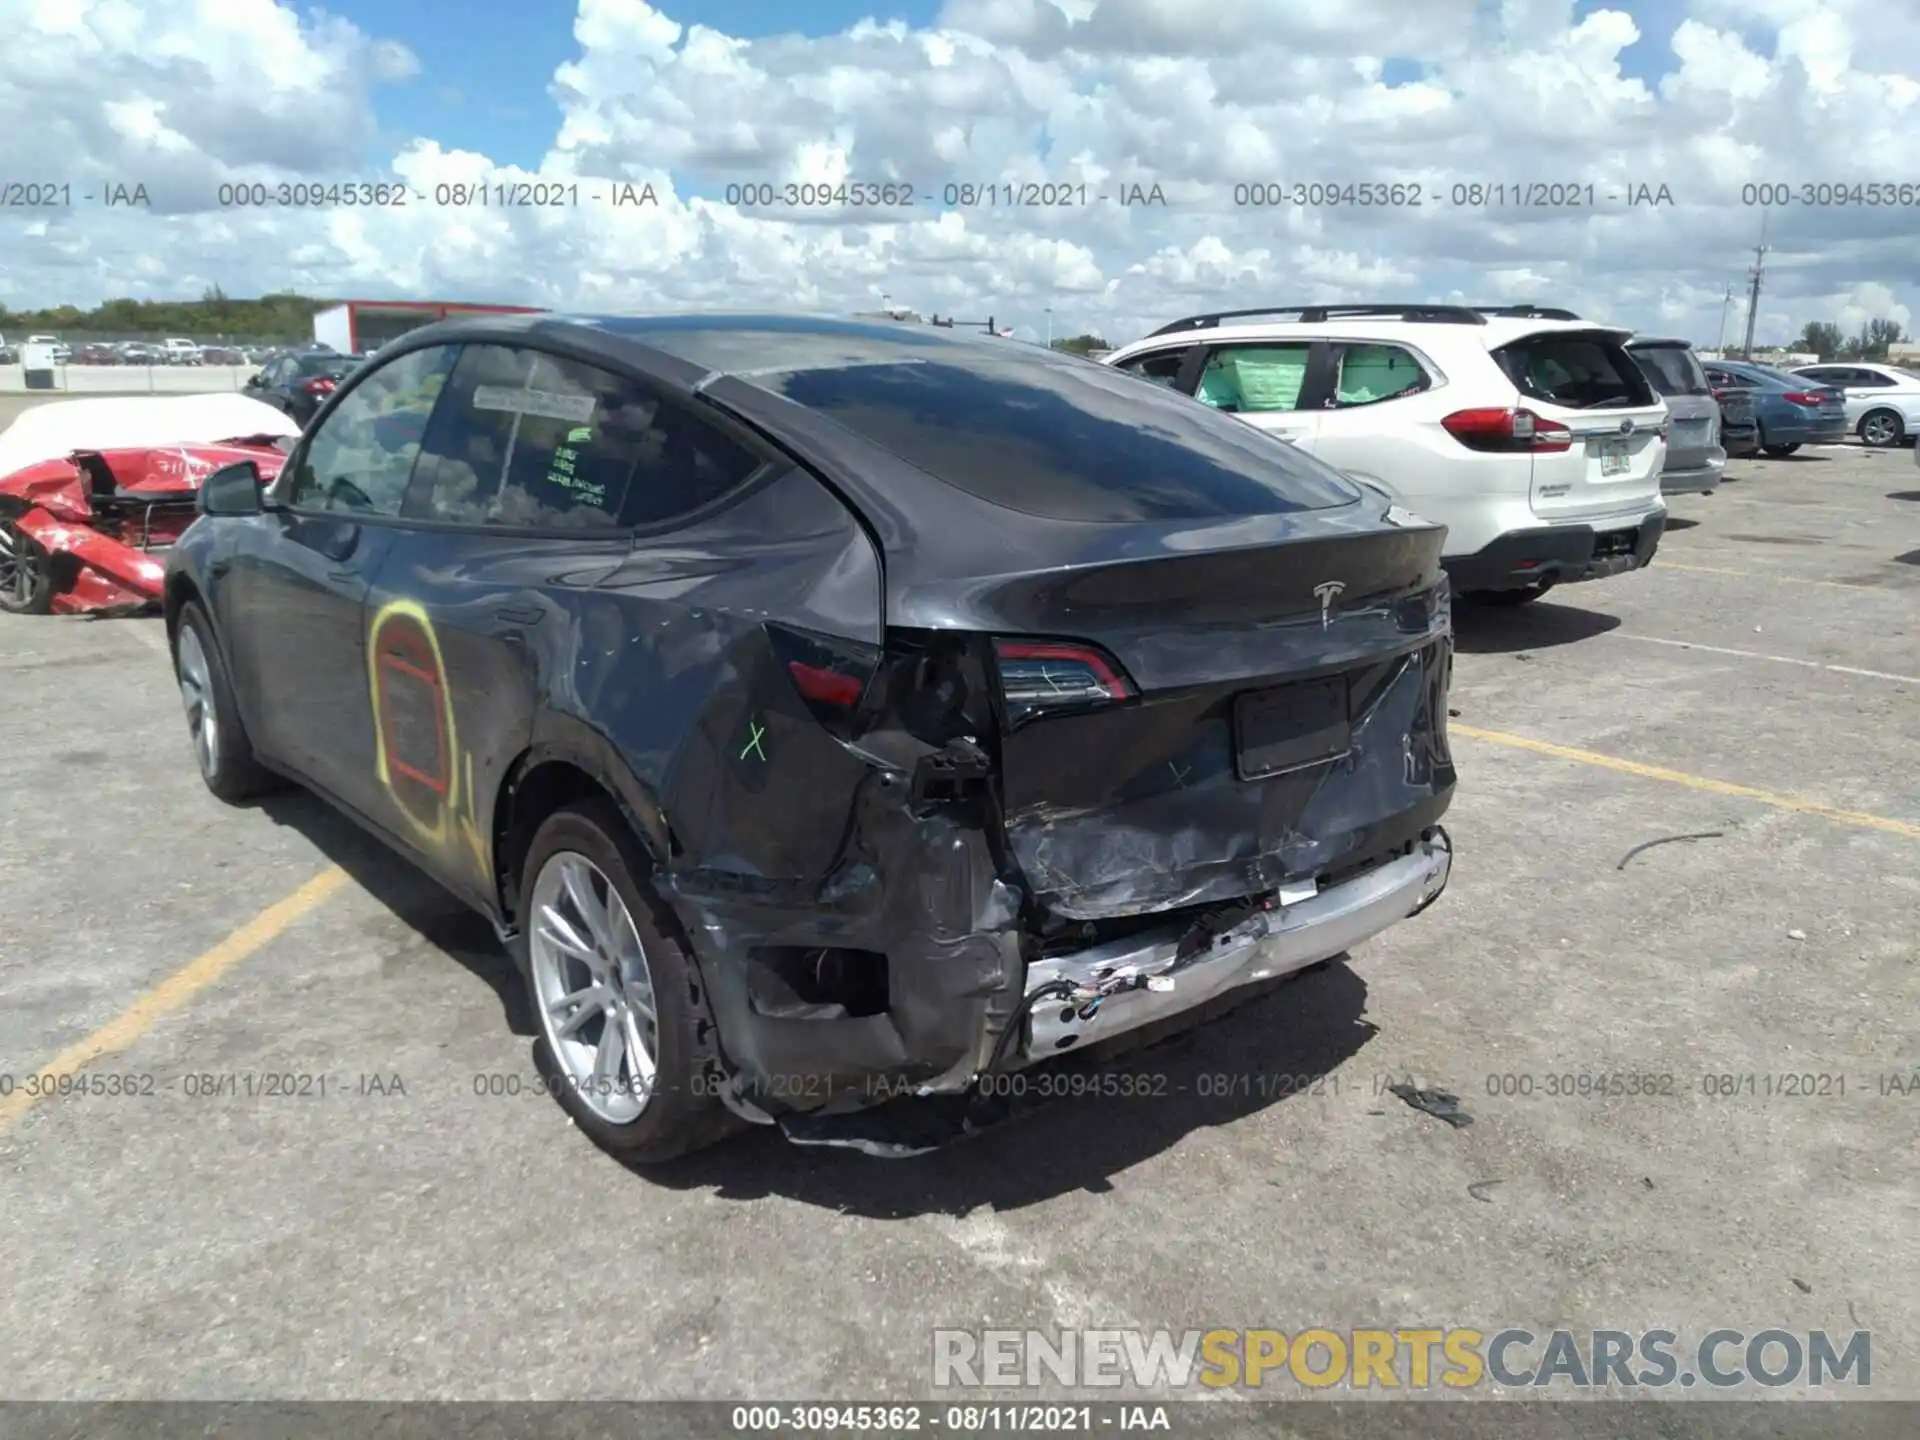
{"points": [[1726, 305], [1753, 290], [1049, 327]]}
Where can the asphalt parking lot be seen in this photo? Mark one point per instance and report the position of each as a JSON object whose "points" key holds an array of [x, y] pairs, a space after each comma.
{"points": [[391, 1231]]}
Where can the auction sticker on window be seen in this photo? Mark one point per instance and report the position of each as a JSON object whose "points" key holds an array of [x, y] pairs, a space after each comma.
{"points": [[548, 403]]}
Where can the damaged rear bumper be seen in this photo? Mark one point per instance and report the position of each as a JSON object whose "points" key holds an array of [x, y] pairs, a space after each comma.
{"points": [[1159, 983]]}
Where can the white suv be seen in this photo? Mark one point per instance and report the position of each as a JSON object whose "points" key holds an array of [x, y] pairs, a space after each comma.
{"points": [[176, 351], [1529, 433]]}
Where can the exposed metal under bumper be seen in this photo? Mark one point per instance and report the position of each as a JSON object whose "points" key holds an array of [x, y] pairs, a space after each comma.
{"points": [[1278, 942]]}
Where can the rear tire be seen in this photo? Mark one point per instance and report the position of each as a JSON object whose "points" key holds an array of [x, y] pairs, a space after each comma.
{"points": [[26, 579], [1780, 452], [620, 943], [1882, 429], [220, 740]]}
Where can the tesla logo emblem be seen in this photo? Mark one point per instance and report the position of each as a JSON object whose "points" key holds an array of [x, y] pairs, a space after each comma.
{"points": [[1327, 594], [1626, 427]]}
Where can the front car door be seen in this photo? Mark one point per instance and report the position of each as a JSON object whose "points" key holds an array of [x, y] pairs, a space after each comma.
{"points": [[293, 600]]}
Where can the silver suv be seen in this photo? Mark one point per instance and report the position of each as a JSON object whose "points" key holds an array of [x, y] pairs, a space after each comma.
{"points": [[1695, 458]]}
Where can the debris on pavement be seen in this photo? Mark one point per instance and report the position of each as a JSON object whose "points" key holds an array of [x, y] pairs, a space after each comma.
{"points": [[1670, 840], [1478, 1189], [1441, 1104]]}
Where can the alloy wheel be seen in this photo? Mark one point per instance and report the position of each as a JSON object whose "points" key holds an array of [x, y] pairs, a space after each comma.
{"points": [[592, 987], [196, 693], [16, 566], [1879, 430]]}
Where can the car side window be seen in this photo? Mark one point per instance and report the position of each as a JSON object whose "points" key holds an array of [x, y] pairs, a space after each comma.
{"points": [[1161, 369], [528, 439], [1369, 374], [1870, 379], [360, 459], [1255, 379]]}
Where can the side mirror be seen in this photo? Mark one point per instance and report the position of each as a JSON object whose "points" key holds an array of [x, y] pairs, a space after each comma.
{"points": [[253, 381], [232, 490]]}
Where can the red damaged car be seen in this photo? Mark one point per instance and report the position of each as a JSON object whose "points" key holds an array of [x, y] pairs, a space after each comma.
{"points": [[92, 492]]}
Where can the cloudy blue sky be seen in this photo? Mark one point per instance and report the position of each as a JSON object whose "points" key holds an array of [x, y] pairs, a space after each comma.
{"points": [[1702, 97]]}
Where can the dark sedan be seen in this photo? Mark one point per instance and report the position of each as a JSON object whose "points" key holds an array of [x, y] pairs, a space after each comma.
{"points": [[298, 382], [829, 712], [1789, 410]]}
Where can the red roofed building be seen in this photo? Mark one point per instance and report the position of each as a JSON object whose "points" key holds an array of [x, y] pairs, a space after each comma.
{"points": [[354, 327]]}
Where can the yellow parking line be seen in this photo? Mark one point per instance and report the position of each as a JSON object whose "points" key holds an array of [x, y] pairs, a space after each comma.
{"points": [[1665, 564], [170, 994], [1692, 782]]}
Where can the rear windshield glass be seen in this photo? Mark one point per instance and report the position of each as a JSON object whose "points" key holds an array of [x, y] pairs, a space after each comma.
{"points": [[1059, 438], [1781, 377], [323, 365], [1581, 371], [1672, 369]]}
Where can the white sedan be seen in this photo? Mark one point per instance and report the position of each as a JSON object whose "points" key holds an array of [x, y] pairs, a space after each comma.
{"points": [[1883, 401]]}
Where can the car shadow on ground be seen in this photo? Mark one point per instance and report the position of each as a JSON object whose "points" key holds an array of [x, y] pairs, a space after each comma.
{"points": [[439, 917], [1903, 494], [1281, 1043], [1802, 458], [1117, 1105], [1676, 522], [1483, 629]]}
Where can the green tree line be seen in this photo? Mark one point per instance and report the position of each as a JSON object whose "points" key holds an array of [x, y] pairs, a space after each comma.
{"points": [[271, 317], [1081, 344], [1823, 338]]}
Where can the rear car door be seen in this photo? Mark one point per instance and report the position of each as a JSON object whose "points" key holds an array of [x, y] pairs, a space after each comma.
{"points": [[293, 598], [1365, 394], [1276, 386], [1601, 422], [527, 494]]}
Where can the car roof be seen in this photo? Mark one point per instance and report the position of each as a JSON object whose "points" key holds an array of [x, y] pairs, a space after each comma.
{"points": [[1648, 341], [1497, 331], [696, 350]]}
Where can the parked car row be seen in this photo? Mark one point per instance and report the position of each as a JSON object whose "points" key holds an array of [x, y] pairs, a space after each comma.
{"points": [[176, 350]]}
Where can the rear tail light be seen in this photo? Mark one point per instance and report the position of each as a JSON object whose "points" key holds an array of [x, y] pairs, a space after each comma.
{"points": [[321, 386], [1045, 677], [829, 674], [1720, 394], [1507, 431], [1806, 397]]}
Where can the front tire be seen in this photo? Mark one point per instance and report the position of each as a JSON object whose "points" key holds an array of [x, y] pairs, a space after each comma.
{"points": [[625, 1039], [1882, 429], [1780, 452], [220, 740], [26, 582]]}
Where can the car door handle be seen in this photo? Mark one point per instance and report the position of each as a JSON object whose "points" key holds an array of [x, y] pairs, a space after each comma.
{"points": [[343, 577], [520, 614]]}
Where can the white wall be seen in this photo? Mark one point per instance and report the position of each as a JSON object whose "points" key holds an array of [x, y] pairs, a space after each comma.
{"points": [[333, 326]]}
